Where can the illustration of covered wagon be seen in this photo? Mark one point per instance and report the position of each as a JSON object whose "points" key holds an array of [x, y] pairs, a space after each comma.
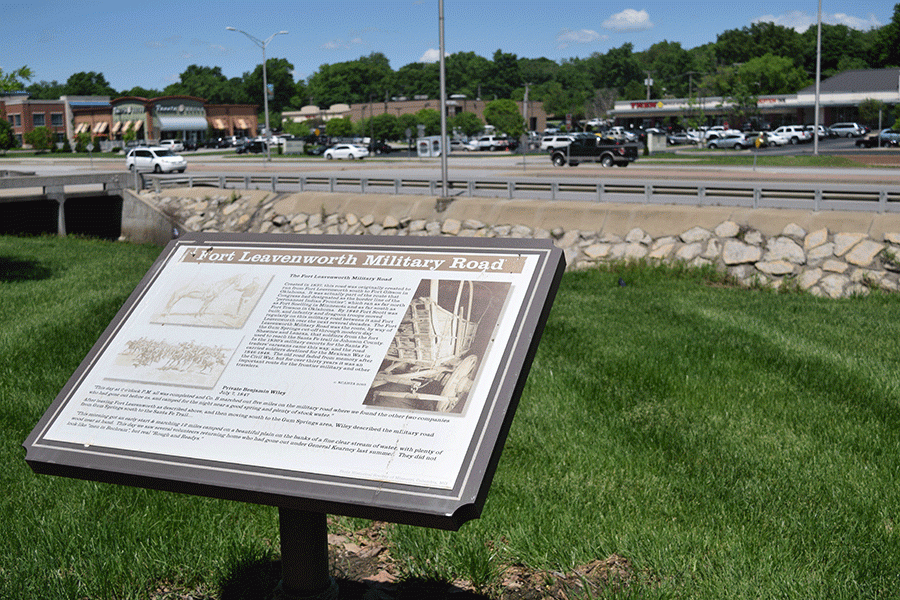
{"points": [[429, 365]]}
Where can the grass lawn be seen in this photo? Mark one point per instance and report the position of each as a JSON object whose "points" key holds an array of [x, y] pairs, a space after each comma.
{"points": [[729, 443]]}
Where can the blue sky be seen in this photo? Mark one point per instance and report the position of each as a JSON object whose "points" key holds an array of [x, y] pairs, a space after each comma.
{"points": [[150, 44]]}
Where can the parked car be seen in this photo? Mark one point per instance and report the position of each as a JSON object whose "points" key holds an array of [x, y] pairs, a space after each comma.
{"points": [[549, 143], [737, 141], [348, 151], [173, 145], [456, 145], [848, 129], [491, 142], [682, 137], [770, 138], [795, 133], [156, 159], [380, 147], [823, 131], [888, 138], [252, 147]]}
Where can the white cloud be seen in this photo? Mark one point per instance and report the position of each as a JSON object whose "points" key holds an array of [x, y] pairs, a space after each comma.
{"points": [[628, 20], [342, 45], [432, 55], [800, 21], [853, 22], [567, 37]]}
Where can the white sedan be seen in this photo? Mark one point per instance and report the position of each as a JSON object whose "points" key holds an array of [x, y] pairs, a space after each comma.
{"points": [[348, 151]]}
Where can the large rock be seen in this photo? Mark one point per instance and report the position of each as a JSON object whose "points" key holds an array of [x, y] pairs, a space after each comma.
{"points": [[783, 248], [695, 234], [864, 253], [736, 253]]}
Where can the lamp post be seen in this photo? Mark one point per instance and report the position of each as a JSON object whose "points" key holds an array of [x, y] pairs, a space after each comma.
{"points": [[263, 44]]}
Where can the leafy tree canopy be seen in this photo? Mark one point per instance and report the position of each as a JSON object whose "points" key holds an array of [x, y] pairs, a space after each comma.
{"points": [[40, 138], [279, 76], [89, 83], [142, 92], [202, 82], [466, 123], [7, 139], [340, 127], [46, 90], [12, 81], [505, 116]]}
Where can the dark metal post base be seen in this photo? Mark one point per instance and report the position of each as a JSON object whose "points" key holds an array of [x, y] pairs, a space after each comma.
{"points": [[304, 557]]}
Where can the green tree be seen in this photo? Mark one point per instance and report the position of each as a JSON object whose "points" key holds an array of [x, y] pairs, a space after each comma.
{"points": [[384, 127], [88, 84], [870, 110], [737, 46], [843, 48], [141, 92], [668, 63], [363, 80], [81, 141], [467, 73], [887, 42], [45, 90], [7, 139], [505, 116], [419, 78], [742, 104], [201, 82], [431, 119], [504, 76], [466, 123], [39, 138], [280, 79], [408, 122], [770, 74], [340, 127], [12, 81]]}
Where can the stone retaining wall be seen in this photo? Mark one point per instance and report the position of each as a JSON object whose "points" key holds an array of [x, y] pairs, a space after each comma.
{"points": [[825, 263]]}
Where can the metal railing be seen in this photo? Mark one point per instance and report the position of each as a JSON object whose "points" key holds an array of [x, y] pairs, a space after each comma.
{"points": [[744, 194]]}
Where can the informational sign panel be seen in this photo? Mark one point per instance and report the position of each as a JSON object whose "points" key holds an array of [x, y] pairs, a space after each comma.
{"points": [[368, 376]]}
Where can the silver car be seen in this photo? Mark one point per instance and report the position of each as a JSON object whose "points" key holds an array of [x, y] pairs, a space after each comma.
{"points": [[738, 141]]}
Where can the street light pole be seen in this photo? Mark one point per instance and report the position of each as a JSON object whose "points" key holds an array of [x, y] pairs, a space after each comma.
{"points": [[263, 44]]}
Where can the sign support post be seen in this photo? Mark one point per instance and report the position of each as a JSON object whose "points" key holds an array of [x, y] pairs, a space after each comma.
{"points": [[304, 556]]}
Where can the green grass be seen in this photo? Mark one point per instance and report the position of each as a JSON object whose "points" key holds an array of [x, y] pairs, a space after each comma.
{"points": [[732, 444]]}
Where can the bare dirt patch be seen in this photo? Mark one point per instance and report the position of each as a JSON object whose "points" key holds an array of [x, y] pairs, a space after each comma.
{"points": [[364, 569]]}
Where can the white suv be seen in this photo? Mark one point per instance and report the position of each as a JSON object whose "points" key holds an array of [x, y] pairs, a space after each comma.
{"points": [[173, 145], [794, 133], [156, 159], [549, 143], [848, 129]]}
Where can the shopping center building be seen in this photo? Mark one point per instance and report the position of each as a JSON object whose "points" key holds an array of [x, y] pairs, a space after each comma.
{"points": [[839, 100], [111, 122]]}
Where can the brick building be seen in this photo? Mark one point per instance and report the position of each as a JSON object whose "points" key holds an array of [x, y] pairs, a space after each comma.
{"points": [[537, 117]]}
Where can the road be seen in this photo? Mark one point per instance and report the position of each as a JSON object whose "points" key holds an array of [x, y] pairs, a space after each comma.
{"points": [[882, 165]]}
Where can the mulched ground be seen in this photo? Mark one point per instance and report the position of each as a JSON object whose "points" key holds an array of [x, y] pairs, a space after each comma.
{"points": [[364, 569]]}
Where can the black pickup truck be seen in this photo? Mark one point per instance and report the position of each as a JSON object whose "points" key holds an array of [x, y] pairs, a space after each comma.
{"points": [[592, 148]]}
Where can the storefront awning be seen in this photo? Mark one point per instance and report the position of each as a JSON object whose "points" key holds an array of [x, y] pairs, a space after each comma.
{"points": [[81, 128], [167, 123], [242, 124], [138, 125], [116, 127], [99, 127], [218, 123]]}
